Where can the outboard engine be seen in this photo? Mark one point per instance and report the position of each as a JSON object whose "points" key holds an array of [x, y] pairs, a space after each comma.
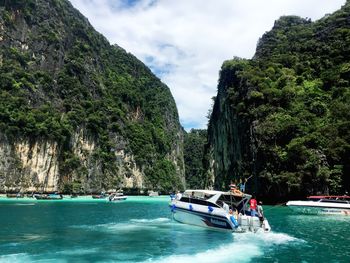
{"points": [[266, 226], [254, 223], [243, 221]]}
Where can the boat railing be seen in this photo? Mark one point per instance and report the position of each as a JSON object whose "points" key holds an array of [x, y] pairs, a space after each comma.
{"points": [[334, 201]]}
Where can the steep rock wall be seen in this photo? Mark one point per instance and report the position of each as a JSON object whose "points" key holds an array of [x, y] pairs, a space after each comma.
{"points": [[76, 112], [282, 117], [231, 140], [32, 166]]}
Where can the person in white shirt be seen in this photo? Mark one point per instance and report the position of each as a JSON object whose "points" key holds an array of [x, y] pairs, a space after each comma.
{"points": [[178, 195], [226, 207], [260, 212]]}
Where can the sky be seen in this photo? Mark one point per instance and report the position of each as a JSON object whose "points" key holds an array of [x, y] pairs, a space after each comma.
{"points": [[185, 42]]}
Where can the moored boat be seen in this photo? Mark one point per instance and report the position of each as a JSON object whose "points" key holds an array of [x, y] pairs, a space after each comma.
{"points": [[18, 195], [100, 196], [322, 204], [48, 196], [153, 193], [218, 210]]}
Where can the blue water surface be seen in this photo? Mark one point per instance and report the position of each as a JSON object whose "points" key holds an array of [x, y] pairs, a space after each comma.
{"points": [[141, 229]]}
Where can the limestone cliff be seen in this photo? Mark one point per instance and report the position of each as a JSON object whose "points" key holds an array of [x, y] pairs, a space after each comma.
{"points": [[76, 113], [282, 118], [231, 151]]}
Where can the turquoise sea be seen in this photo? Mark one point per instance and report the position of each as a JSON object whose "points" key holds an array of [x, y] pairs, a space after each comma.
{"points": [[140, 229]]}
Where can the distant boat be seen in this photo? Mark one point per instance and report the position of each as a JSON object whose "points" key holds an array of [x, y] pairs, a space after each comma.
{"points": [[153, 193], [48, 196], [18, 195], [322, 204], [100, 196], [118, 196]]}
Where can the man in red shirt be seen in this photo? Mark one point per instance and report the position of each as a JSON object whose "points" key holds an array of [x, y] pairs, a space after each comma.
{"points": [[253, 206]]}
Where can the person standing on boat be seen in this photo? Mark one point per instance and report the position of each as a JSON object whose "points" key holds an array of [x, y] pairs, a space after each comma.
{"points": [[242, 185], [260, 212], [226, 207], [253, 206], [178, 195], [234, 189]]}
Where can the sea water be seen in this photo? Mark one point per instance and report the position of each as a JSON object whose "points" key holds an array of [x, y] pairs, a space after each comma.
{"points": [[141, 229]]}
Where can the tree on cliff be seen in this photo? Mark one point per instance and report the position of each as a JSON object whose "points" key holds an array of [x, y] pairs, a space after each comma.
{"points": [[285, 114], [58, 77]]}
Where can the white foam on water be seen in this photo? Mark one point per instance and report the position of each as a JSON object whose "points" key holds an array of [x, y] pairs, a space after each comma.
{"points": [[156, 220], [266, 239], [115, 227], [24, 204], [29, 237], [77, 251], [133, 224], [244, 248], [24, 257], [13, 258], [234, 252]]}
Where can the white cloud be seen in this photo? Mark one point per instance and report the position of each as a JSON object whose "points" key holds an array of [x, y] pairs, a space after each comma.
{"points": [[186, 41]]}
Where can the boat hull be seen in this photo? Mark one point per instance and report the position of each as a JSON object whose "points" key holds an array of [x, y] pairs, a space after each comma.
{"points": [[202, 219], [99, 196], [316, 208], [118, 198], [211, 209], [48, 197]]}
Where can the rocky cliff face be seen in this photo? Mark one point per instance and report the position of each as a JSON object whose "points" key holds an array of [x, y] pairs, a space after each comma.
{"points": [[282, 118], [78, 114], [231, 138]]}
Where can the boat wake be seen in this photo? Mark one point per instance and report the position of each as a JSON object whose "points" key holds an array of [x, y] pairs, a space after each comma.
{"points": [[266, 239], [17, 257], [225, 253], [23, 204], [132, 224], [244, 248], [156, 220]]}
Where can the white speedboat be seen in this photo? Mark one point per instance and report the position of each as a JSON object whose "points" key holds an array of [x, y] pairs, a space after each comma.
{"points": [[325, 204], [217, 210], [153, 193], [119, 196]]}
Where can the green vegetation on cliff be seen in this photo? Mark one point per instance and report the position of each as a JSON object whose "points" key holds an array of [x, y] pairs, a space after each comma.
{"points": [[194, 143], [58, 75], [288, 110]]}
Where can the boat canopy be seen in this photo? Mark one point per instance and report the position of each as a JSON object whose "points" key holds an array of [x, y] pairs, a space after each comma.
{"points": [[218, 198]]}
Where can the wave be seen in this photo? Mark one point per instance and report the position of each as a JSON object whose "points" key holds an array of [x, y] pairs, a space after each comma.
{"points": [[77, 251], [46, 257], [24, 257], [244, 248], [156, 220], [13, 258], [132, 224], [266, 239], [228, 253]]}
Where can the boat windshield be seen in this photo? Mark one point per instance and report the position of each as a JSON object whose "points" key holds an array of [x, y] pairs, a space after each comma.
{"points": [[198, 195], [233, 201]]}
